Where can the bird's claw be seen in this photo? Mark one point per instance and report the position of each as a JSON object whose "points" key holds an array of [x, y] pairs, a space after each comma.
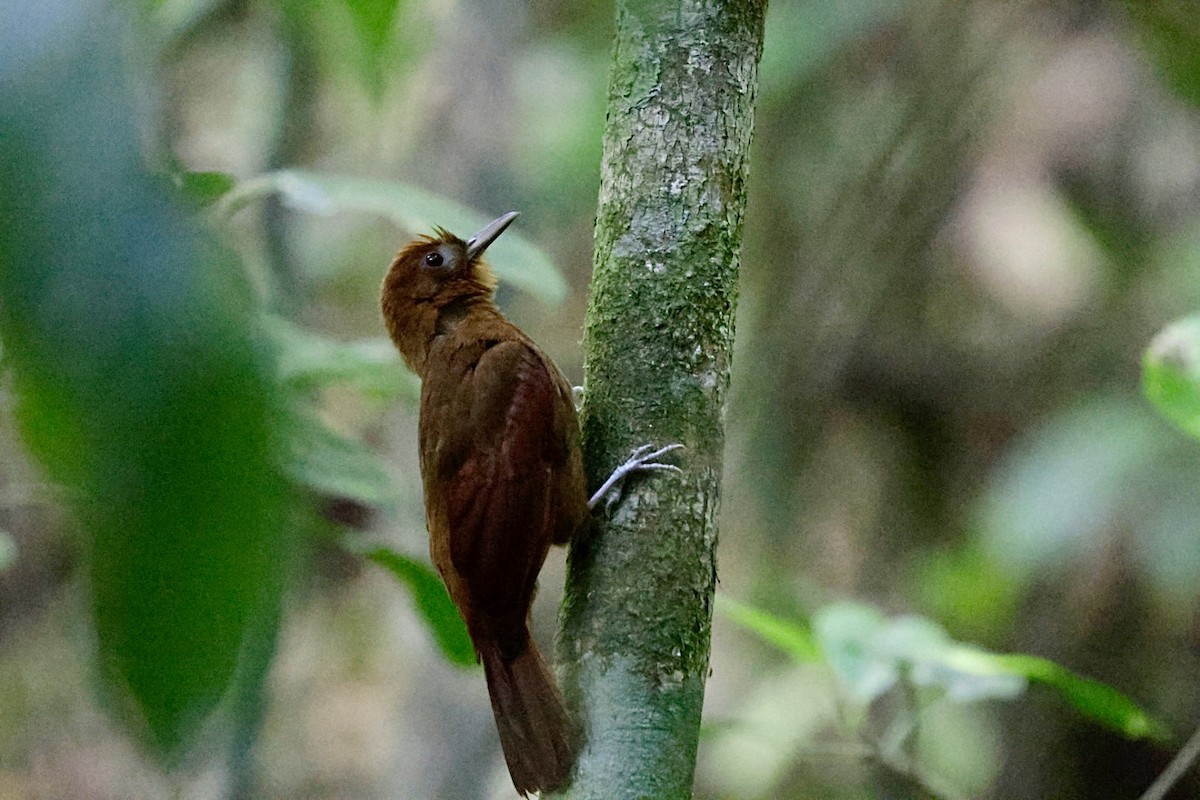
{"points": [[640, 460], [645, 459]]}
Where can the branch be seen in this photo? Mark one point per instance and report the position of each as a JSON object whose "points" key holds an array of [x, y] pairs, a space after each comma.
{"points": [[637, 615]]}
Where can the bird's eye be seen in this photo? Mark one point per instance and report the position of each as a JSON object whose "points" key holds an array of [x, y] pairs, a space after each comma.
{"points": [[434, 259]]}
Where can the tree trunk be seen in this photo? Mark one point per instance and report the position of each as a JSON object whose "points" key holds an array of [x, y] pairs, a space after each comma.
{"points": [[637, 615]]}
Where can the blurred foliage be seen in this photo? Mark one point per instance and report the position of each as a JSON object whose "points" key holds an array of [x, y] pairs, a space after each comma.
{"points": [[310, 361], [1085, 467], [144, 375], [1170, 30], [202, 189], [320, 458], [1171, 374], [432, 602], [788, 635], [8, 550], [412, 209], [139, 384], [872, 656], [374, 21]]}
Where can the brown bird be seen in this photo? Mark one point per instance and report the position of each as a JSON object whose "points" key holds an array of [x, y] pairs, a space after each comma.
{"points": [[503, 477]]}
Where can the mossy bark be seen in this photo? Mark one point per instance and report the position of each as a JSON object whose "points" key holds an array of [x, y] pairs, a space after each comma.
{"points": [[637, 616]]}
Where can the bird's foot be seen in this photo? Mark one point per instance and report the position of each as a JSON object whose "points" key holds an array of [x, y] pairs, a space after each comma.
{"points": [[641, 460]]}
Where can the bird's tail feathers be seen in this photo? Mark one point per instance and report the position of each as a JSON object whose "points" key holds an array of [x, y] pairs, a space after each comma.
{"points": [[535, 731]]}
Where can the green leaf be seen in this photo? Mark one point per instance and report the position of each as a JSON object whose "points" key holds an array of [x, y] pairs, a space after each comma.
{"points": [[1096, 700], [1170, 32], [846, 633], [141, 381], [791, 637], [327, 462], [373, 19], [416, 211], [318, 457], [433, 603], [1171, 374], [922, 649], [311, 360], [202, 189], [870, 654], [374, 24]]}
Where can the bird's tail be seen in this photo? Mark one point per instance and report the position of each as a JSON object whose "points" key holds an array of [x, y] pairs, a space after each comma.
{"points": [[535, 731]]}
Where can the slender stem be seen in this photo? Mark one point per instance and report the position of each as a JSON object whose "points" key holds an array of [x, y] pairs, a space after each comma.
{"points": [[1179, 765]]}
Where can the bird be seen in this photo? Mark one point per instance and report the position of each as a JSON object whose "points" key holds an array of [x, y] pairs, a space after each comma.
{"points": [[503, 477]]}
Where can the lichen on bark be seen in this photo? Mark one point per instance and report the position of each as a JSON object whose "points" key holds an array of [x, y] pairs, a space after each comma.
{"points": [[637, 615]]}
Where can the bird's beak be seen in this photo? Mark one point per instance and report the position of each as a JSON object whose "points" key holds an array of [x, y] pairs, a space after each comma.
{"points": [[480, 241]]}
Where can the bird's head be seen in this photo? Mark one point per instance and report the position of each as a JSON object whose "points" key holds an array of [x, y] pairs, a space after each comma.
{"points": [[431, 267], [433, 272]]}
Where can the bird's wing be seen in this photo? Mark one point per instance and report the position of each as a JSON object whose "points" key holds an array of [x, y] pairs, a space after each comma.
{"points": [[496, 454]]}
